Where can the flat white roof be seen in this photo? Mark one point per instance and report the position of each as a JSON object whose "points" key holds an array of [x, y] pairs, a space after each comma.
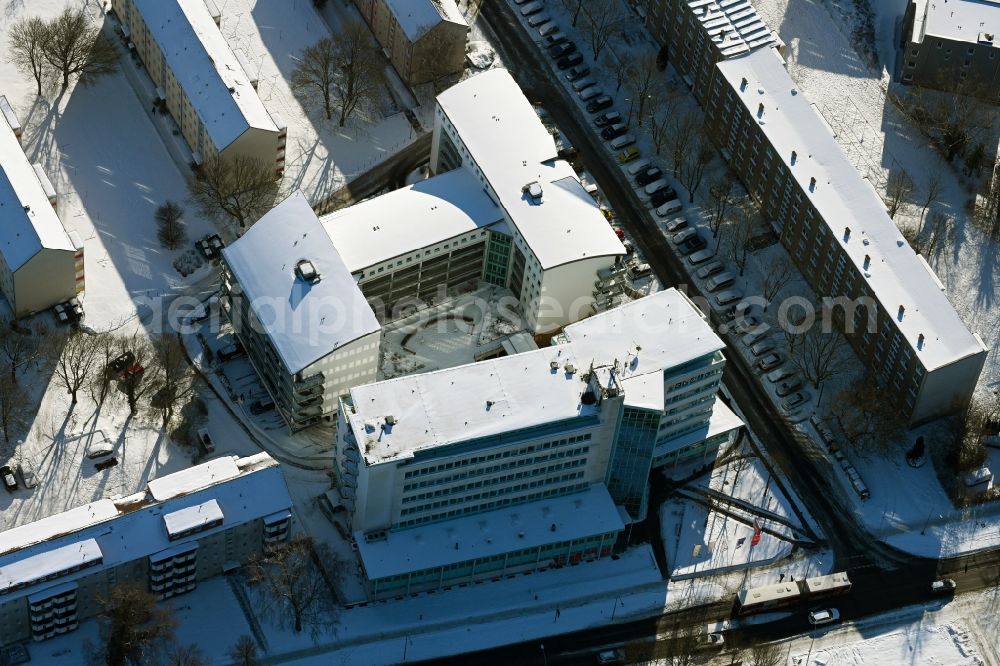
{"points": [[304, 321], [193, 478], [896, 275], [30, 224], [206, 68], [577, 516], [734, 25], [191, 517], [513, 149], [412, 217], [137, 529], [35, 568], [959, 20], [416, 17], [514, 392]]}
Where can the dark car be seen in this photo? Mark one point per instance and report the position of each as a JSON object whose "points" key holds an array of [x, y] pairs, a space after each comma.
{"points": [[612, 131], [106, 463], [555, 39], [693, 244], [609, 118], [9, 480], [577, 72], [599, 104], [661, 197], [571, 60], [560, 50], [116, 369], [648, 176]]}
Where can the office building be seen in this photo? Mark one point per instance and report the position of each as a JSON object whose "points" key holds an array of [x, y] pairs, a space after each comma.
{"points": [[183, 528]]}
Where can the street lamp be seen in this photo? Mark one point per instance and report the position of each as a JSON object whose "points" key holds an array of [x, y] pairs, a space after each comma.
{"points": [[545, 658]]}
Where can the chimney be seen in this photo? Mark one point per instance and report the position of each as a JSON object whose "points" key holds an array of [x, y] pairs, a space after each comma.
{"points": [[794, 157], [812, 184], [760, 110], [868, 261], [901, 311], [920, 342], [743, 84]]}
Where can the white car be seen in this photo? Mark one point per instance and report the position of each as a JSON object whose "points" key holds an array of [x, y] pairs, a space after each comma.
{"points": [[825, 616], [28, 475]]}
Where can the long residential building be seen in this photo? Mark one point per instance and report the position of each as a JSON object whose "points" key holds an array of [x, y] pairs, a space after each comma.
{"points": [[835, 227], [696, 34], [502, 210], [183, 528], [201, 81], [41, 264], [484, 470], [424, 39], [952, 46]]}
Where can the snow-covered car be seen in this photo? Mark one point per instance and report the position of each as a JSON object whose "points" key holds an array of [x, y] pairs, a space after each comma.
{"points": [[709, 641], [728, 296], [560, 50], [668, 208], [615, 656], [622, 141], [794, 401], [682, 236], [750, 339], [538, 19], [770, 361], [780, 374], [9, 482], [700, 257], [638, 165], [788, 387], [557, 37], [710, 269], [943, 586], [28, 476], [694, 244], [825, 616], [547, 29], [746, 324], [675, 225], [578, 72], [599, 104], [720, 281], [570, 60], [628, 154], [100, 449], [762, 347], [532, 8]]}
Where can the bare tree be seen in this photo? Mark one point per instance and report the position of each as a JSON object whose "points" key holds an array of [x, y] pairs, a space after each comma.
{"points": [[16, 409], [76, 45], [693, 163], [932, 192], [603, 21], [186, 655], [644, 81], [139, 380], [244, 651], [941, 231], [816, 353], [19, 346], [762, 654], [26, 47], [75, 364], [175, 380], [292, 588], [871, 424], [439, 60], [660, 112], [107, 346], [359, 65], [134, 628], [683, 128], [898, 188], [774, 276], [721, 199], [314, 74], [742, 233], [239, 188], [170, 227], [987, 208], [575, 7]]}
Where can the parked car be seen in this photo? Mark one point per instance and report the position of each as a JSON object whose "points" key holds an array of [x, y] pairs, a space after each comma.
{"points": [[261, 406], [641, 165], [694, 244], [710, 269], [622, 141], [700, 257], [205, 441], [683, 235], [532, 8], [675, 225], [210, 246], [648, 176], [582, 84], [28, 476], [746, 324], [119, 364], [599, 104], [628, 154], [666, 203], [709, 641], [943, 586], [825, 616], [538, 19], [105, 463], [658, 185], [752, 338], [769, 361], [570, 60], [789, 386], [547, 29], [762, 347], [610, 118], [9, 482], [610, 656], [100, 449], [720, 281], [639, 270], [590, 93], [560, 50], [794, 401], [728, 296], [780, 374], [578, 72], [613, 131]]}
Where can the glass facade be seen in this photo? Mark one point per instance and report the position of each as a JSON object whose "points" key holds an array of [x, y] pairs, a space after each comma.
{"points": [[497, 259], [632, 458]]}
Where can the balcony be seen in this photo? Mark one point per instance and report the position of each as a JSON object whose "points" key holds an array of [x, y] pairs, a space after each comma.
{"points": [[303, 383]]}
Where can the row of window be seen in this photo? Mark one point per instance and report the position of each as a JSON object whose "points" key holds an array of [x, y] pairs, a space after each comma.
{"points": [[487, 506], [499, 492], [503, 479], [475, 460]]}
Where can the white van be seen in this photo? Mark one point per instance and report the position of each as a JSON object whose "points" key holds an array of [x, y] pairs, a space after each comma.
{"points": [[622, 141], [637, 166], [589, 93], [669, 208], [656, 186], [583, 84]]}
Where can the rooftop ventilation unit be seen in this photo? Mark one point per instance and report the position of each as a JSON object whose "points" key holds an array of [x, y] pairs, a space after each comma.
{"points": [[902, 310], [390, 420], [306, 271], [534, 190], [570, 368], [554, 365]]}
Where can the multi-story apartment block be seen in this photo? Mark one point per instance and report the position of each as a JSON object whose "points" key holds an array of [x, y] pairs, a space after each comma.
{"points": [[836, 229], [40, 263], [183, 528], [560, 241], [298, 311], [484, 470], [953, 46], [424, 39], [201, 81], [502, 210], [696, 34]]}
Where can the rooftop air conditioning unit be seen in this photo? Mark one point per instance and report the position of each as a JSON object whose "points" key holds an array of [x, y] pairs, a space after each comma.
{"points": [[307, 271], [534, 190], [570, 368], [390, 419]]}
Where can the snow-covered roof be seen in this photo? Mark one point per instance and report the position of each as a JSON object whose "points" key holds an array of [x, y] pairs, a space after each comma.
{"points": [[206, 68], [193, 478], [512, 149], [135, 529], [896, 276], [734, 25], [51, 562], [417, 17], [30, 224], [500, 395], [588, 513], [192, 517], [959, 20], [412, 217], [305, 320]]}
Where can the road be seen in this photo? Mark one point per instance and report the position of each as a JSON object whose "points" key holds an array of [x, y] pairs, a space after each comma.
{"points": [[898, 578]]}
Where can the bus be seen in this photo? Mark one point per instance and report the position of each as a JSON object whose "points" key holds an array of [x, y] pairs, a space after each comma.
{"points": [[791, 593]]}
